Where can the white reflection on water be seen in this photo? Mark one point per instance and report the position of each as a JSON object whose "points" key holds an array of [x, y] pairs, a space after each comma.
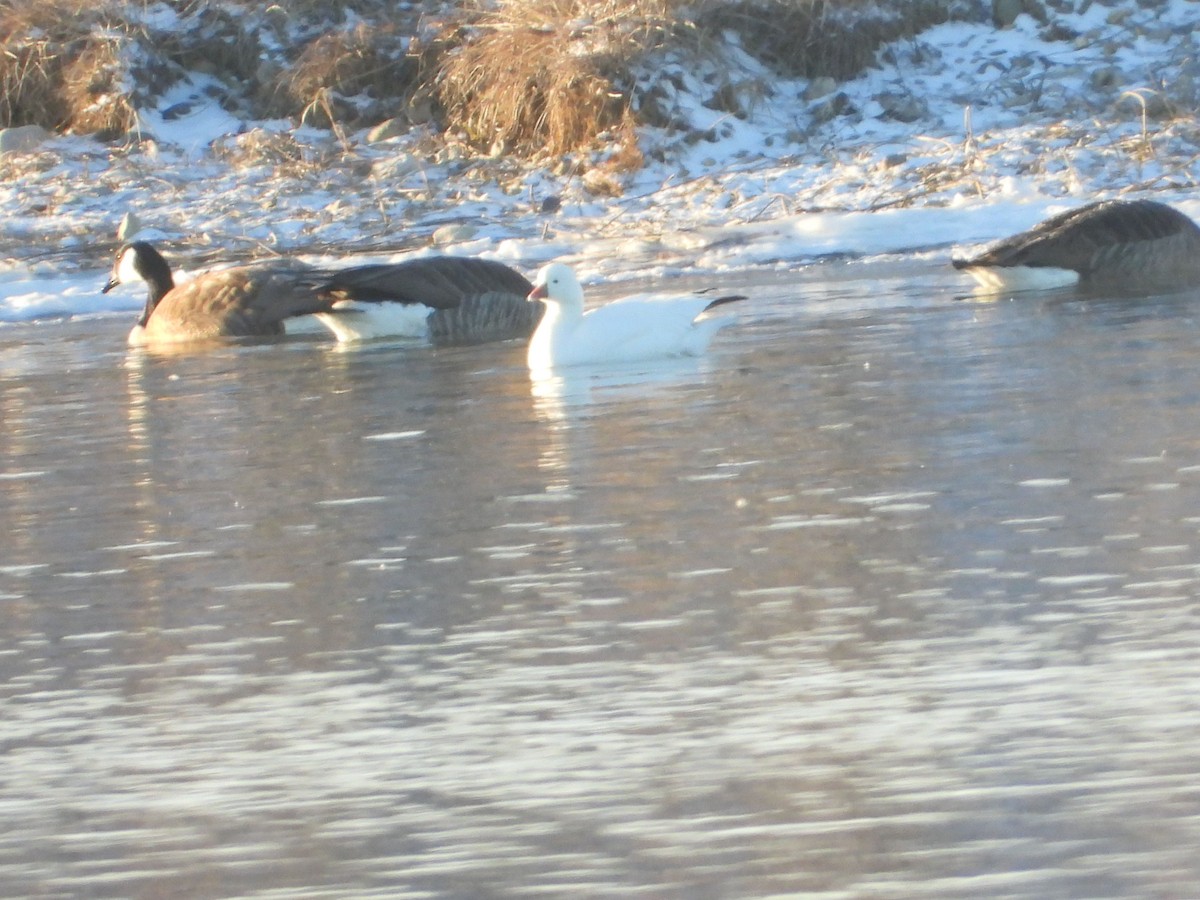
{"points": [[875, 601], [564, 400], [559, 393]]}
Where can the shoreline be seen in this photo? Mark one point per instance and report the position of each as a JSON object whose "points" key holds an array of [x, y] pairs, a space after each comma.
{"points": [[778, 186]]}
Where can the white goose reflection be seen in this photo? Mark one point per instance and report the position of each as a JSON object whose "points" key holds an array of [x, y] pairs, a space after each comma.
{"points": [[569, 393], [569, 400]]}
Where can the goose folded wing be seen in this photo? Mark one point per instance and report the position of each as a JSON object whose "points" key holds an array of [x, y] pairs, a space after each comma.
{"points": [[642, 323], [440, 282], [239, 302]]}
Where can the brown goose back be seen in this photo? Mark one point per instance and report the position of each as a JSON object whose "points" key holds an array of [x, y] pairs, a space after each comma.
{"points": [[440, 282], [239, 302], [1122, 243]]}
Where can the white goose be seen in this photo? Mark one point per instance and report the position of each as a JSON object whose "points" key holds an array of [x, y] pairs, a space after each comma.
{"points": [[626, 330]]}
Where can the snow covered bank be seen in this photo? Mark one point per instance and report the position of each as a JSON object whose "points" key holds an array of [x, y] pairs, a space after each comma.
{"points": [[960, 135]]}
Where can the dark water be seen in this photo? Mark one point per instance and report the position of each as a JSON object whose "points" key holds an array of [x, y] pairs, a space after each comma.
{"points": [[893, 595]]}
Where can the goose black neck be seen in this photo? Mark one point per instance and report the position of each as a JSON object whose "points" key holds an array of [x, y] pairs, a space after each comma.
{"points": [[156, 273]]}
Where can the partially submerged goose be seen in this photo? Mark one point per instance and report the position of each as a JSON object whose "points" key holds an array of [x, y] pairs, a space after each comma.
{"points": [[633, 328], [240, 302], [1124, 245], [446, 299]]}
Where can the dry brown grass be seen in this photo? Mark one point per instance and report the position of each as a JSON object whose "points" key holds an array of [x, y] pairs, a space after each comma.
{"points": [[365, 62], [59, 67], [260, 148], [214, 40], [85, 65], [313, 10], [91, 90], [544, 77], [538, 79], [27, 79], [811, 38]]}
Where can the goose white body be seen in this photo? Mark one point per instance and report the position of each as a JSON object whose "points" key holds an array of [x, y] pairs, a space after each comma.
{"points": [[1021, 278], [627, 330], [369, 321]]}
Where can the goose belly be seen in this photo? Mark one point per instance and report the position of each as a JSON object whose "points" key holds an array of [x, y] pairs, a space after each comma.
{"points": [[1022, 278], [352, 321]]}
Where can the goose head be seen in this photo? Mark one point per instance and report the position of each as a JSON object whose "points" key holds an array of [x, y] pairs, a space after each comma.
{"points": [[557, 286], [141, 262]]}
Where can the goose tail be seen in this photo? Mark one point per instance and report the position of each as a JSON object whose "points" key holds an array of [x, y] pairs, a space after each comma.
{"points": [[721, 301]]}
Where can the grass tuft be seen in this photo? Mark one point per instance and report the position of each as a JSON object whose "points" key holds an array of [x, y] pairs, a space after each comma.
{"points": [[542, 78], [353, 77], [91, 89], [59, 66]]}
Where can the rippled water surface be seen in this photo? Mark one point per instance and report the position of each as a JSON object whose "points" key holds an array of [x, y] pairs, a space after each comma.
{"points": [[892, 595]]}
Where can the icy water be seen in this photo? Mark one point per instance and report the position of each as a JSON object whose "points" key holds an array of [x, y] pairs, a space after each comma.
{"points": [[893, 595]]}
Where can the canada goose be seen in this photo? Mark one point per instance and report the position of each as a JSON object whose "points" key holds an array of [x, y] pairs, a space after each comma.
{"points": [[446, 299], [1124, 245], [632, 328], [243, 301]]}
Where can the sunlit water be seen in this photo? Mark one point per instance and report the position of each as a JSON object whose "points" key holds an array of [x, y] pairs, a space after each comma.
{"points": [[892, 595]]}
